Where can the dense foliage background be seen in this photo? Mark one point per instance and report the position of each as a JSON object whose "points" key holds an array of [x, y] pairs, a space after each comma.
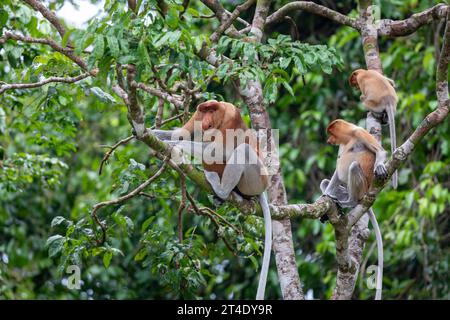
{"points": [[50, 152]]}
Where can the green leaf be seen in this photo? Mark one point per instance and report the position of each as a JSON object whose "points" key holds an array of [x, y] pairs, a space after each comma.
{"points": [[113, 46], [65, 39], [55, 244], [57, 221], [3, 19], [222, 70], [172, 17], [288, 87], [107, 256], [99, 47], [141, 254]]}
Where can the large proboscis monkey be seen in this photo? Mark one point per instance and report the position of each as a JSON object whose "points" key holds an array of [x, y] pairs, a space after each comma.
{"points": [[378, 96], [240, 169], [360, 156]]}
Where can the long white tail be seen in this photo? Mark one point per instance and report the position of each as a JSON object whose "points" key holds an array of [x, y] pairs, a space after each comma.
{"points": [[390, 109], [267, 247], [379, 239]]}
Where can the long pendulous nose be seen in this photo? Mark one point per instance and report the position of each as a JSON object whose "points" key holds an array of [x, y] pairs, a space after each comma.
{"points": [[206, 126]]}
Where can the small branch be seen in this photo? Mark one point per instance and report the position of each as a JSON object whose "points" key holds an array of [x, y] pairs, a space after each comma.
{"points": [[222, 15], [311, 7], [124, 198], [14, 86], [128, 139], [119, 200], [49, 15], [121, 93], [225, 25], [111, 150], [158, 93], [410, 25], [68, 52]]}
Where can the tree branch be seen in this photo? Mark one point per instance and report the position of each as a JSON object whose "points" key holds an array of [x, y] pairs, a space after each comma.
{"points": [[121, 199], [13, 86], [177, 101], [311, 7], [227, 23], [68, 52], [399, 28], [49, 15]]}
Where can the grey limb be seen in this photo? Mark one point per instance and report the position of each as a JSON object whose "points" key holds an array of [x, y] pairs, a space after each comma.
{"points": [[243, 169], [334, 188]]}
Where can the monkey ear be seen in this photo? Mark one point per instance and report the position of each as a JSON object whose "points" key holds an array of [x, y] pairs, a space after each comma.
{"points": [[208, 105]]}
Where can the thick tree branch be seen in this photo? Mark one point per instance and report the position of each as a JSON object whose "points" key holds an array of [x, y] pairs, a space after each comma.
{"points": [[399, 28], [14, 86], [278, 16]]}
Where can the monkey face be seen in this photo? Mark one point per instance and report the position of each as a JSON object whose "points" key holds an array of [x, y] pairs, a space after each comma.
{"points": [[353, 81], [211, 114], [332, 139]]}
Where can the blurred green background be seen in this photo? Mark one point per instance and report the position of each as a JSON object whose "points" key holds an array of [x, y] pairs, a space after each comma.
{"points": [[50, 152]]}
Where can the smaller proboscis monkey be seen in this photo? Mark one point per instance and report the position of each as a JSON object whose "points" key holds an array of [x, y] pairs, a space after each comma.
{"points": [[378, 96], [360, 156], [236, 163]]}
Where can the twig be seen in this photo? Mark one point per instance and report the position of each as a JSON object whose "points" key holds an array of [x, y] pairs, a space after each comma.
{"points": [[225, 25], [111, 150], [158, 93], [49, 15], [121, 199], [13, 86], [126, 140], [68, 52]]}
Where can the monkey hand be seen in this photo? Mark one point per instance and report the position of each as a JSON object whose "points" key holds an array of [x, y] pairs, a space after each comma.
{"points": [[380, 170]]}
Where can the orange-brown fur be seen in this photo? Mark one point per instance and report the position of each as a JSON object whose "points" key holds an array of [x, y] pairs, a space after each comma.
{"points": [[220, 116], [376, 89], [347, 134]]}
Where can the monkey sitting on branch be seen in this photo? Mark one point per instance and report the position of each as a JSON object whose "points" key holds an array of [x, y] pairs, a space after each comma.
{"points": [[360, 156], [231, 159]]}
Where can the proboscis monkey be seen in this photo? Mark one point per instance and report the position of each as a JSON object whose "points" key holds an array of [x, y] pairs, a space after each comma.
{"points": [[360, 156], [378, 96], [240, 168]]}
